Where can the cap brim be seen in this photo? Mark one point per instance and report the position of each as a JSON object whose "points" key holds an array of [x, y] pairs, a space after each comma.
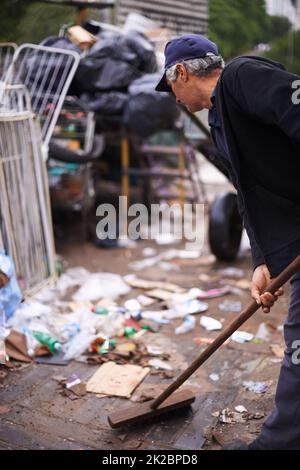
{"points": [[163, 85]]}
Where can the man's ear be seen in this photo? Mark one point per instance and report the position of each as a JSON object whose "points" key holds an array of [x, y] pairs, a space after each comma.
{"points": [[182, 72]]}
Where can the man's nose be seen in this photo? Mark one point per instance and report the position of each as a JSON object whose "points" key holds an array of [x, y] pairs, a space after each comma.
{"points": [[178, 101]]}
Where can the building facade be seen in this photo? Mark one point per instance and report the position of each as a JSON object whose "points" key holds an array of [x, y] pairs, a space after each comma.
{"points": [[288, 8], [180, 17]]}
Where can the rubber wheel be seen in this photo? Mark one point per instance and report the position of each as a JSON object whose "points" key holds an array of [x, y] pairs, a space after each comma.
{"points": [[57, 152], [225, 227]]}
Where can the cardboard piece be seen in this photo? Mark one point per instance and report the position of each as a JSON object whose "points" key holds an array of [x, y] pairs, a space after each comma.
{"points": [[117, 380], [81, 37], [144, 284], [16, 346], [160, 294]]}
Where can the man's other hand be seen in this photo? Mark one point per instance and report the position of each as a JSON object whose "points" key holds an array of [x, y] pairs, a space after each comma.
{"points": [[260, 280]]}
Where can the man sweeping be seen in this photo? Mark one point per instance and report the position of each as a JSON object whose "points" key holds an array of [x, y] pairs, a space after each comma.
{"points": [[254, 117]]}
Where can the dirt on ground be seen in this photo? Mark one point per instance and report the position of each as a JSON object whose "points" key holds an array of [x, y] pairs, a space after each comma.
{"points": [[35, 414]]}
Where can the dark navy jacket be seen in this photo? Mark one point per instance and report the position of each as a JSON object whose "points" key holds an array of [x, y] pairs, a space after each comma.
{"points": [[262, 128]]}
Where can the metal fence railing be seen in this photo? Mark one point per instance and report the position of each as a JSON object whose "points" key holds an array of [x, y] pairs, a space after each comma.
{"points": [[25, 221]]}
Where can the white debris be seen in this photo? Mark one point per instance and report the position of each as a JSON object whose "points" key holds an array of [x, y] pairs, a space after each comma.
{"points": [[214, 377], [158, 364], [149, 251], [99, 285], [210, 323], [132, 305], [154, 350], [262, 333], [240, 409], [242, 337]]}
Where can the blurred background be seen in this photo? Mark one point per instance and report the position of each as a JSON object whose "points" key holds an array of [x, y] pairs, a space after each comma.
{"points": [[271, 27]]}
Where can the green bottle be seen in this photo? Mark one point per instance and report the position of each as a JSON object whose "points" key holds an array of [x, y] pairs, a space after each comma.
{"points": [[129, 331], [101, 310], [52, 344]]}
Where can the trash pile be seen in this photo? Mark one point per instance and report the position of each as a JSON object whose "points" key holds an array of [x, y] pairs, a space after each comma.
{"points": [[83, 314], [112, 321], [116, 79], [239, 415], [52, 329]]}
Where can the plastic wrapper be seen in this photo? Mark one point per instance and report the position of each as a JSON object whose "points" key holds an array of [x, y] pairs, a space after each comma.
{"points": [[10, 294], [188, 325], [78, 345], [101, 285]]}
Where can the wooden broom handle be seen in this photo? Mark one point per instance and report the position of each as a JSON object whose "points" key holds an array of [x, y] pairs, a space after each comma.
{"points": [[242, 318]]}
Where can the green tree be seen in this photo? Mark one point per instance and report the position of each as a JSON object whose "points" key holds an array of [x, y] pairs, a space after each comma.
{"points": [[11, 13], [279, 26], [32, 21], [40, 21], [238, 25], [286, 50]]}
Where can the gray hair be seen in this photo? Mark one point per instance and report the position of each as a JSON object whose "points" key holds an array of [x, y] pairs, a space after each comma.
{"points": [[199, 67]]}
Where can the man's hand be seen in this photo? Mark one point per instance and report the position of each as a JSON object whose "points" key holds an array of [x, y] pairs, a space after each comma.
{"points": [[260, 280]]}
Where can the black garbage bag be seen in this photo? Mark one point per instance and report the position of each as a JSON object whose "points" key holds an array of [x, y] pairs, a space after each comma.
{"points": [[114, 46], [144, 49], [103, 74], [148, 111], [109, 65], [133, 48], [111, 103]]}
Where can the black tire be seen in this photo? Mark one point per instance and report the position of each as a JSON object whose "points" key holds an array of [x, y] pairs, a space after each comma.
{"points": [[225, 227], [57, 152]]}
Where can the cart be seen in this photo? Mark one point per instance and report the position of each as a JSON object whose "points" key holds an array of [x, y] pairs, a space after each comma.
{"points": [[33, 88]]}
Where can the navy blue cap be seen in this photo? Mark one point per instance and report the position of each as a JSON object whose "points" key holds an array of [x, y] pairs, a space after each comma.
{"points": [[190, 46]]}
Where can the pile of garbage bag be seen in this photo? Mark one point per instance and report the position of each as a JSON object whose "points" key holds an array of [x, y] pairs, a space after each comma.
{"points": [[116, 78]]}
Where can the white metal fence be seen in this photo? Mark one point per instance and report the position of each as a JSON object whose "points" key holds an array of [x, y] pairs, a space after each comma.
{"points": [[26, 225], [34, 82]]}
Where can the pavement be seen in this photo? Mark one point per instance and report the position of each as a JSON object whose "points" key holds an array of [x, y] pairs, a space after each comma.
{"points": [[34, 414]]}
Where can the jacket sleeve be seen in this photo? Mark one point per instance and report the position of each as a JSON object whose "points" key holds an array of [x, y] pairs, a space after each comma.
{"points": [[269, 94], [257, 256]]}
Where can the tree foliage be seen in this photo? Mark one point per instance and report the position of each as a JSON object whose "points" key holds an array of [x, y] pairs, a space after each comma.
{"points": [[238, 25], [286, 50], [32, 21]]}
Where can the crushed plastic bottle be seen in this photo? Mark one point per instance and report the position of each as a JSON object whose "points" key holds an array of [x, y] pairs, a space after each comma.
{"points": [[52, 344], [188, 325], [78, 345]]}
